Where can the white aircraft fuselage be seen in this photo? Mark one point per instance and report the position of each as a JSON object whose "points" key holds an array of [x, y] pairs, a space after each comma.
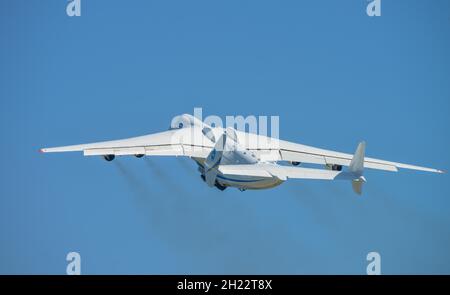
{"points": [[242, 182]]}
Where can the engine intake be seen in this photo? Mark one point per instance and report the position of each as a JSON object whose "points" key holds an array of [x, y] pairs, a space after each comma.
{"points": [[109, 158]]}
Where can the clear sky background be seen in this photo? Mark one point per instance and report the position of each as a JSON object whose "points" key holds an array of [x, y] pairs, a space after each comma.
{"points": [[124, 68]]}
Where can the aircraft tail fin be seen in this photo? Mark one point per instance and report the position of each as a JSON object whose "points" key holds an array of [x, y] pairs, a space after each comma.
{"points": [[357, 164], [356, 167]]}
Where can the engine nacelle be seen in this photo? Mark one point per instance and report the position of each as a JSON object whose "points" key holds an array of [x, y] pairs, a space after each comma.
{"points": [[334, 167], [109, 158]]}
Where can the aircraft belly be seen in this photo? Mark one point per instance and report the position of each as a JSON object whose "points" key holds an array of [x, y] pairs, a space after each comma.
{"points": [[248, 182]]}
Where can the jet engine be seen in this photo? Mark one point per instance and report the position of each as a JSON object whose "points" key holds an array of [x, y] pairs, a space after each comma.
{"points": [[334, 167], [109, 158]]}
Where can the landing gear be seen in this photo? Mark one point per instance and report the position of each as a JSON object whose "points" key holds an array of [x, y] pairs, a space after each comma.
{"points": [[217, 184], [109, 158], [139, 155]]}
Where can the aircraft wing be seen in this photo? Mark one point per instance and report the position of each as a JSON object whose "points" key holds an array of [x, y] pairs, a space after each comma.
{"points": [[271, 149], [302, 153], [180, 142]]}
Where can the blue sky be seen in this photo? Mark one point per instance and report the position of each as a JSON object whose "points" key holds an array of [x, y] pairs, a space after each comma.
{"points": [[124, 68]]}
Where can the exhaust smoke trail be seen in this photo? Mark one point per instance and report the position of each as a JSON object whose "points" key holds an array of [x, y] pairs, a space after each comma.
{"points": [[186, 166], [188, 224], [208, 226], [143, 196], [165, 179], [134, 182], [320, 207]]}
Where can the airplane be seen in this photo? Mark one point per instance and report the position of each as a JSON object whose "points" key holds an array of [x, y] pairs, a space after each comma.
{"points": [[230, 158]]}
